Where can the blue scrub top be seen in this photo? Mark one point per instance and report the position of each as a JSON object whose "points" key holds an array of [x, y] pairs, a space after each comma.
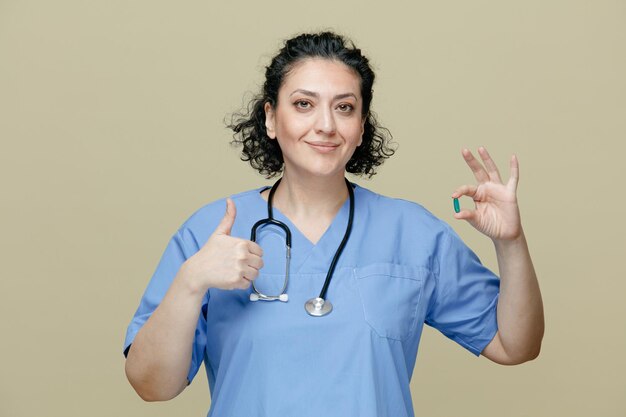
{"points": [[401, 267]]}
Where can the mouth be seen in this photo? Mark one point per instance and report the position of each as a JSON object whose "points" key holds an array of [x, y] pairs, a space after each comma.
{"points": [[323, 147]]}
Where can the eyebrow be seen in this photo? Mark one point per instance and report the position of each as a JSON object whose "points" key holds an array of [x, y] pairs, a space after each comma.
{"points": [[314, 94]]}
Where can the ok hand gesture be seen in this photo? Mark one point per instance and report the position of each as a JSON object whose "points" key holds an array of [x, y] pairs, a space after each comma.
{"points": [[496, 212]]}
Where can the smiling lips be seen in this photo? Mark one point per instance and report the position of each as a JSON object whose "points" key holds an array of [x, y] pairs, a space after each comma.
{"points": [[323, 147]]}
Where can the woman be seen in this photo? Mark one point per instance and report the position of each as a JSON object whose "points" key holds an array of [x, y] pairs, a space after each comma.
{"points": [[221, 297]]}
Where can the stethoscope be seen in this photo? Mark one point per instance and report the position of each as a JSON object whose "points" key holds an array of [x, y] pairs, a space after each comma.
{"points": [[318, 306]]}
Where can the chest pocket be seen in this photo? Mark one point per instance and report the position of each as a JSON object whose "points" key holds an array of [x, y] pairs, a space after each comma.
{"points": [[390, 294]]}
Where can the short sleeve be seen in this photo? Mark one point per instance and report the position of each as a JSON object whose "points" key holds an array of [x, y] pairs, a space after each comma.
{"points": [[466, 296], [172, 259]]}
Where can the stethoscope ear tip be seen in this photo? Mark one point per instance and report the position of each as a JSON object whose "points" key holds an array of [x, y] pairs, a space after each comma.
{"points": [[256, 297]]}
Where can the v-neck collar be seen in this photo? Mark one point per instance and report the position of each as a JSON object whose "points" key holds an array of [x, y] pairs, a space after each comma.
{"points": [[304, 252]]}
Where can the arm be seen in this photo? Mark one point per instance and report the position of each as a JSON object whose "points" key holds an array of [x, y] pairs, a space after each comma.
{"points": [[520, 308], [160, 356]]}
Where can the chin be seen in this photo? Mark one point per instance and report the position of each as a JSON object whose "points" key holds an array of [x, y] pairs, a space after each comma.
{"points": [[323, 172], [328, 172]]}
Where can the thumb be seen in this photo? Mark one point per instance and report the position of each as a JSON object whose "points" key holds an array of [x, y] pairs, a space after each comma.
{"points": [[228, 220]]}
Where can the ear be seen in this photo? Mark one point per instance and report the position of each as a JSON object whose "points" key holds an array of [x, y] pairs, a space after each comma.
{"points": [[269, 120]]}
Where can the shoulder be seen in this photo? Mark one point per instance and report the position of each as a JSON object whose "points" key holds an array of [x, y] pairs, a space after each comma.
{"points": [[196, 229], [217, 207], [402, 211]]}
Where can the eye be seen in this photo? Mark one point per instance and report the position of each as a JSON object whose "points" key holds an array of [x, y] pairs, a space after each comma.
{"points": [[302, 104], [345, 107]]}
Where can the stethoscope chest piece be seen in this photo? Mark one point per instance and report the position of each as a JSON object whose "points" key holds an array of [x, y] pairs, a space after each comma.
{"points": [[318, 307]]}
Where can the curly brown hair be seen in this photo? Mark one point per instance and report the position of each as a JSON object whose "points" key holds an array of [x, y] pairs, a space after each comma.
{"points": [[249, 128]]}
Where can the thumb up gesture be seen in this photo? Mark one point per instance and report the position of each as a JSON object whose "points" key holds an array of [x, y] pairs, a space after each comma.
{"points": [[224, 261]]}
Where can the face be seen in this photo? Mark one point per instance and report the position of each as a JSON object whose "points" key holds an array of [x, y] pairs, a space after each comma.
{"points": [[317, 121]]}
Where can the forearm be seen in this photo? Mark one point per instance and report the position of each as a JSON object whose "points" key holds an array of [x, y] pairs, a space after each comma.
{"points": [[158, 361], [520, 308]]}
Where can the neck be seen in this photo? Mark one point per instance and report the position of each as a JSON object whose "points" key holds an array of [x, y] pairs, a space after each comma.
{"points": [[307, 196]]}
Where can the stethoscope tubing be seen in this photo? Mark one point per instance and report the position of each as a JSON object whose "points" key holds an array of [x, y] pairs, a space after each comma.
{"points": [[329, 274], [318, 306]]}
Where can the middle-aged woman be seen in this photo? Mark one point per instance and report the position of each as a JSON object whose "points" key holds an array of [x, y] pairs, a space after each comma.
{"points": [[339, 337]]}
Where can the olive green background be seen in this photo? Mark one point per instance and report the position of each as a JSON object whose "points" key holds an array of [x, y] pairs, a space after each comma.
{"points": [[112, 134]]}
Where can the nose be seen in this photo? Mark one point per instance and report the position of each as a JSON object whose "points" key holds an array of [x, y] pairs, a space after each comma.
{"points": [[325, 122]]}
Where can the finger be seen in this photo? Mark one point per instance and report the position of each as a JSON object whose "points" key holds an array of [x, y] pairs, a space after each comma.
{"points": [[514, 178], [479, 172], [250, 273], [254, 248], [243, 284], [226, 224], [492, 169], [468, 190], [469, 215], [255, 262]]}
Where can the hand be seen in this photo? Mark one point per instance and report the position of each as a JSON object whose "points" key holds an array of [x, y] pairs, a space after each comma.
{"points": [[224, 261], [496, 212]]}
